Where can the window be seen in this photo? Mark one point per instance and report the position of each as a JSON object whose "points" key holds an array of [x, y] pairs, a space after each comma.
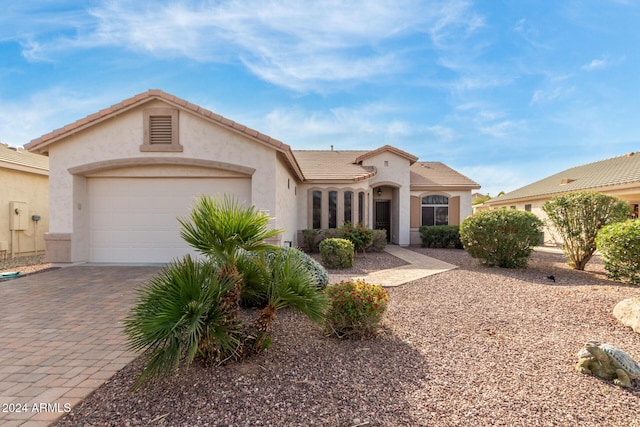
{"points": [[333, 209], [361, 207], [348, 198], [160, 129], [435, 210], [317, 209], [527, 208]]}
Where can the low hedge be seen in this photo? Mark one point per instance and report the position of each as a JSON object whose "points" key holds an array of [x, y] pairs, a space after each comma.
{"points": [[309, 240], [441, 236]]}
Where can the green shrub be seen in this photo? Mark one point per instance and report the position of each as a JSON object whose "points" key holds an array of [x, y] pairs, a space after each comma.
{"points": [[359, 235], [501, 237], [311, 238], [252, 268], [578, 217], [379, 241], [179, 316], [440, 236], [355, 308], [336, 253], [619, 245]]}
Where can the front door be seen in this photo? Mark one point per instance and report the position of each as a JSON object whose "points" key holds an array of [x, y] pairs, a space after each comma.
{"points": [[383, 217]]}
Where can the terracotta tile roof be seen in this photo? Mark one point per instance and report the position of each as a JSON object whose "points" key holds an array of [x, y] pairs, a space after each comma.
{"points": [[332, 165], [21, 159], [141, 98], [429, 175], [384, 148], [595, 176], [40, 144]]}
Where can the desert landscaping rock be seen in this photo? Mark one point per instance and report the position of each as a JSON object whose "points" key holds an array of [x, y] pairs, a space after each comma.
{"points": [[473, 346], [627, 312]]}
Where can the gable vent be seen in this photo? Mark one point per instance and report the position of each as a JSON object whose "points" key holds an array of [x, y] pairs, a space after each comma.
{"points": [[160, 130]]}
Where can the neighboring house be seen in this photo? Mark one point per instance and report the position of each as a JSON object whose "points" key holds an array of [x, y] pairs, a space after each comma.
{"points": [[120, 177], [618, 176], [24, 200]]}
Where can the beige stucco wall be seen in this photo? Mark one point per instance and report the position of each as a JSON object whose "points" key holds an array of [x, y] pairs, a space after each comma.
{"points": [[304, 201], [32, 189], [120, 137], [465, 207], [286, 200], [393, 173]]}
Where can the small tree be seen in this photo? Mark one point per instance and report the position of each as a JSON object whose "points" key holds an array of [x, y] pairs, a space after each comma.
{"points": [[578, 217], [501, 237]]}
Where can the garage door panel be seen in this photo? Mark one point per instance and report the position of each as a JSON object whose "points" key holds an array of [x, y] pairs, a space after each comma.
{"points": [[135, 219]]}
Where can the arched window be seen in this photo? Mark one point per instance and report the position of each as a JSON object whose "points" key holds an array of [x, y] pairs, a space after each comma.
{"points": [[348, 206], [435, 210]]}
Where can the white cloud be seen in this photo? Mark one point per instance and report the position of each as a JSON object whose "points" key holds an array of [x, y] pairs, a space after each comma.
{"points": [[596, 64], [365, 126], [503, 129], [294, 44], [442, 132], [496, 178], [27, 119]]}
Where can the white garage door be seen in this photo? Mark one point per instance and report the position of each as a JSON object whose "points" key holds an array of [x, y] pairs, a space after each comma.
{"points": [[133, 220]]}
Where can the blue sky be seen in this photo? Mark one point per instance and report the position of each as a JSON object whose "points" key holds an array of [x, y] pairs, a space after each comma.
{"points": [[506, 92]]}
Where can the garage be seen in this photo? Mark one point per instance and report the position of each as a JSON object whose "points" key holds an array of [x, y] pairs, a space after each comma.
{"points": [[134, 219]]}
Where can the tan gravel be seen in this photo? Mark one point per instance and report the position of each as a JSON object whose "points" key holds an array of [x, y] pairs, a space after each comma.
{"points": [[472, 346]]}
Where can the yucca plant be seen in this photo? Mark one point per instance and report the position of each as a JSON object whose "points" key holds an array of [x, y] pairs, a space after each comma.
{"points": [[179, 317], [224, 231]]}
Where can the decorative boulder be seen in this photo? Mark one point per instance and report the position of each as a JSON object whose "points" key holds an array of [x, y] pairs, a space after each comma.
{"points": [[628, 313]]}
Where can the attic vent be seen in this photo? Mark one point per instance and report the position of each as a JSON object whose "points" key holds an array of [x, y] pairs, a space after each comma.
{"points": [[630, 154], [565, 181], [160, 130]]}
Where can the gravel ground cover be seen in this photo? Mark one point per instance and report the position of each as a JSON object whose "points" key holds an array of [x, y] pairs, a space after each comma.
{"points": [[472, 346], [25, 265]]}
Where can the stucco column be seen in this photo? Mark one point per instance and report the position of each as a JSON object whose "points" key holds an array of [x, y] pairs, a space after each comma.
{"points": [[404, 207]]}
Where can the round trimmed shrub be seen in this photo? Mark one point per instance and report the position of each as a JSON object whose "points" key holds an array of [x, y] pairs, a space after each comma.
{"points": [[358, 234], [336, 253], [355, 308], [619, 245], [502, 237]]}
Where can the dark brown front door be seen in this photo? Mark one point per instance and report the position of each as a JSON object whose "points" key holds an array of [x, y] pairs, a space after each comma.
{"points": [[383, 217]]}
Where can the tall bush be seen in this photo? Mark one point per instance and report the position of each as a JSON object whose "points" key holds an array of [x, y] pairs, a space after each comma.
{"points": [[619, 245], [501, 237], [578, 217]]}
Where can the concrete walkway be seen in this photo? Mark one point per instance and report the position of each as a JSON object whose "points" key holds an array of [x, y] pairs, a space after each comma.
{"points": [[419, 266], [61, 338]]}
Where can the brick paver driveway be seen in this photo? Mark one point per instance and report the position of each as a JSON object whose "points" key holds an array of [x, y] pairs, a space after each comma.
{"points": [[61, 338]]}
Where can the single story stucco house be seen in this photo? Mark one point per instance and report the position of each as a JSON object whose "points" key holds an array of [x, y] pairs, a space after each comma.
{"points": [[617, 176], [120, 177], [24, 200]]}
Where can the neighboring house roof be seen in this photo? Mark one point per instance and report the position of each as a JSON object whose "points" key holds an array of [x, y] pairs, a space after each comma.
{"points": [[41, 144], [332, 165], [19, 159], [436, 175], [597, 176]]}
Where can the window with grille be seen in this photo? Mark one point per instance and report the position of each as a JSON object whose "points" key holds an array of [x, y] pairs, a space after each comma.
{"points": [[435, 210]]}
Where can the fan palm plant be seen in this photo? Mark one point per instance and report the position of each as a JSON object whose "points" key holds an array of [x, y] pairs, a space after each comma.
{"points": [[178, 317], [287, 282], [224, 231]]}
